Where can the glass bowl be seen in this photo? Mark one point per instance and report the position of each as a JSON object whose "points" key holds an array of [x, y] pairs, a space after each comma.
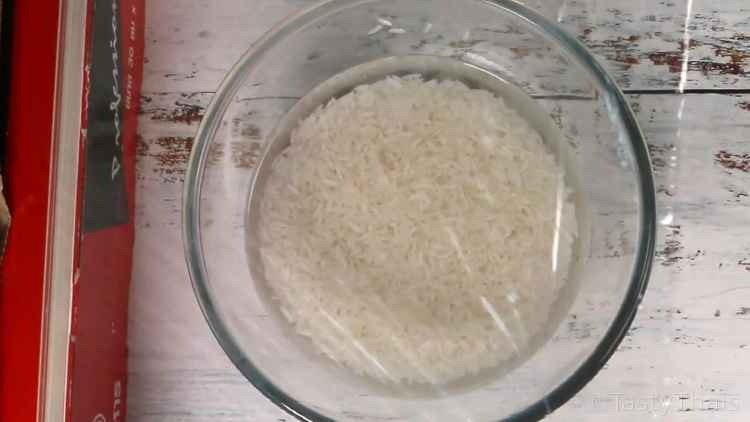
{"points": [[506, 39]]}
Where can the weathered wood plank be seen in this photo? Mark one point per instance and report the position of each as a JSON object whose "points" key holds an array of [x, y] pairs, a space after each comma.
{"points": [[698, 300], [689, 44], [191, 45]]}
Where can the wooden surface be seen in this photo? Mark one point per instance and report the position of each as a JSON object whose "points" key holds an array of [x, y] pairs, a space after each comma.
{"points": [[685, 357]]}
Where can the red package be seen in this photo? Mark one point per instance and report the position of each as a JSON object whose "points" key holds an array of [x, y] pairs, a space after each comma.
{"points": [[76, 70]]}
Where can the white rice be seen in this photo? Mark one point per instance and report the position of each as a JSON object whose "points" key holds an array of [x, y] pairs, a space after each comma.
{"points": [[411, 228], [385, 22], [375, 29]]}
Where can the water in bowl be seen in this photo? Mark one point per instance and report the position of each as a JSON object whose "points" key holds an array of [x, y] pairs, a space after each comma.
{"points": [[429, 67]]}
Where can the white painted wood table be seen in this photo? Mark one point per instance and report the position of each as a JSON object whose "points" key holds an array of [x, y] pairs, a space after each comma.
{"points": [[686, 67]]}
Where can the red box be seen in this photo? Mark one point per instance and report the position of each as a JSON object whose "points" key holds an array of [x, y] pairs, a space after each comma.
{"points": [[76, 70]]}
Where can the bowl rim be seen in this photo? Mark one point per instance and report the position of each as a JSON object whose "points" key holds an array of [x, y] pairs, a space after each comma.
{"points": [[191, 235]]}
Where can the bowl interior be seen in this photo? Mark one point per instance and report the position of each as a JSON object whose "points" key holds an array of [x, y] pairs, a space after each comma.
{"points": [[604, 147]]}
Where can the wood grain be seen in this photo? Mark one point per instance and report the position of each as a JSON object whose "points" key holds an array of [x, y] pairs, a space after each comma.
{"points": [[646, 45], [684, 357]]}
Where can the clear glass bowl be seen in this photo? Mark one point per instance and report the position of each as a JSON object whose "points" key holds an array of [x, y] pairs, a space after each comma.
{"points": [[502, 37]]}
